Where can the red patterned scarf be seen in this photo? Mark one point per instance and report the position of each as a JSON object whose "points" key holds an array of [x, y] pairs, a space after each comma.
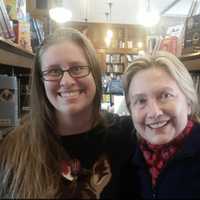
{"points": [[156, 156]]}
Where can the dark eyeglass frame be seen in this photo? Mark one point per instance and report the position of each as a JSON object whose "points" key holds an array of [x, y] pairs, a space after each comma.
{"points": [[45, 73]]}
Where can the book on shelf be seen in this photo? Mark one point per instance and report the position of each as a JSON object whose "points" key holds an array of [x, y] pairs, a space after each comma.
{"points": [[23, 34], [37, 32], [4, 31], [196, 80], [11, 7], [1, 31], [5, 22], [16, 9], [24, 94], [21, 9]]}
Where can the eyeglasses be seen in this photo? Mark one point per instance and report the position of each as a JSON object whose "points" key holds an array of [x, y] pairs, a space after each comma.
{"points": [[56, 73]]}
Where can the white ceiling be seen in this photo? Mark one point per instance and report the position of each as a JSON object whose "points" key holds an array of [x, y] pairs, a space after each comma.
{"points": [[123, 11]]}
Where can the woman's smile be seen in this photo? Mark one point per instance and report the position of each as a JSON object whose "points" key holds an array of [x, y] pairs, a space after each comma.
{"points": [[70, 94], [159, 124]]}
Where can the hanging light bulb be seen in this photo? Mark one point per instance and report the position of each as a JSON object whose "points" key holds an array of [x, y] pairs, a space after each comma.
{"points": [[108, 37], [107, 41], [109, 34], [139, 45], [60, 14], [149, 17]]}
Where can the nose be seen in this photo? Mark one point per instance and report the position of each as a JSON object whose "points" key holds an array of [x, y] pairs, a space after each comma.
{"points": [[66, 79], [154, 109]]}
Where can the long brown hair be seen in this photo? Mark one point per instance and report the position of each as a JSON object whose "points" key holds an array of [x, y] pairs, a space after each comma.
{"points": [[30, 154]]}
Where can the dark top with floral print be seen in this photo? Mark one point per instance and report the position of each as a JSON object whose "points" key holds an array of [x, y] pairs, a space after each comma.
{"points": [[113, 143]]}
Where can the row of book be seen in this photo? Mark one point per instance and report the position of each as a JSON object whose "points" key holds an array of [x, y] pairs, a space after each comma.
{"points": [[18, 26], [29, 34]]}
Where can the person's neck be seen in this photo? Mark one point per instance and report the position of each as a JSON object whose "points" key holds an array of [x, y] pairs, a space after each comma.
{"points": [[74, 124]]}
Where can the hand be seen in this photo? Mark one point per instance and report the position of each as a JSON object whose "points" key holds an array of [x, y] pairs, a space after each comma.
{"points": [[101, 175]]}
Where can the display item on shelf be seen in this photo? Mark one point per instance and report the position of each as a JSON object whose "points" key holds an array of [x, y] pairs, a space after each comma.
{"points": [[8, 101]]}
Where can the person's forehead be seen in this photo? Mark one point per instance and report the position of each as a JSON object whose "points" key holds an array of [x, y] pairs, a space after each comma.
{"points": [[151, 79], [66, 50]]}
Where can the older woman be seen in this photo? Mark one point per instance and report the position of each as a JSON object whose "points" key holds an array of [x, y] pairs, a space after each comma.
{"points": [[161, 98]]}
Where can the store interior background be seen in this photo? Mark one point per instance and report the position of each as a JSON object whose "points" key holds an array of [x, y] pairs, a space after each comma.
{"points": [[175, 27]]}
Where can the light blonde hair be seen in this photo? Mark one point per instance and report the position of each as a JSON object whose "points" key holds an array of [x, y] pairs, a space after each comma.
{"points": [[174, 67], [30, 155]]}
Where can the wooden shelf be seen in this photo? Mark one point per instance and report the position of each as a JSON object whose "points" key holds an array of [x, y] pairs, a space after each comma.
{"points": [[114, 63], [13, 55], [118, 51], [191, 61]]}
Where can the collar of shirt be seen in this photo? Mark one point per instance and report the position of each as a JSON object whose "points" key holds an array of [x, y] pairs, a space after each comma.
{"points": [[156, 156]]}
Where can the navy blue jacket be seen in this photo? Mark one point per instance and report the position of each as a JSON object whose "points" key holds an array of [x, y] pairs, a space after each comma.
{"points": [[179, 179]]}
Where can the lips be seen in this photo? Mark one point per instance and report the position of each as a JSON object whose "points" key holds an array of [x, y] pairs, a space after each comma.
{"points": [[159, 124], [70, 94]]}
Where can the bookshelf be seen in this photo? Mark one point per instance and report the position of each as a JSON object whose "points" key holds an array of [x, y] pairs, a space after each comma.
{"points": [[118, 50], [191, 61], [114, 57], [16, 61]]}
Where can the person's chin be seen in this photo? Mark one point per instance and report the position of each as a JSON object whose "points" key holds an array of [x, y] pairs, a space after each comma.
{"points": [[69, 110], [158, 141], [161, 139]]}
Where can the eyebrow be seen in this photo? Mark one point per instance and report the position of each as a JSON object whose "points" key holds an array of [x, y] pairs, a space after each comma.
{"points": [[165, 89], [60, 65], [157, 91], [137, 95]]}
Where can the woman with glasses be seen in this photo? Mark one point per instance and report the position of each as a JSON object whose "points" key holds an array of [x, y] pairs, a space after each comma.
{"points": [[66, 147]]}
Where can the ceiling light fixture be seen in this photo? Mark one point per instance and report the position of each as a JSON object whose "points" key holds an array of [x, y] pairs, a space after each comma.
{"points": [[85, 9], [139, 45], [150, 17], [109, 33], [60, 14]]}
